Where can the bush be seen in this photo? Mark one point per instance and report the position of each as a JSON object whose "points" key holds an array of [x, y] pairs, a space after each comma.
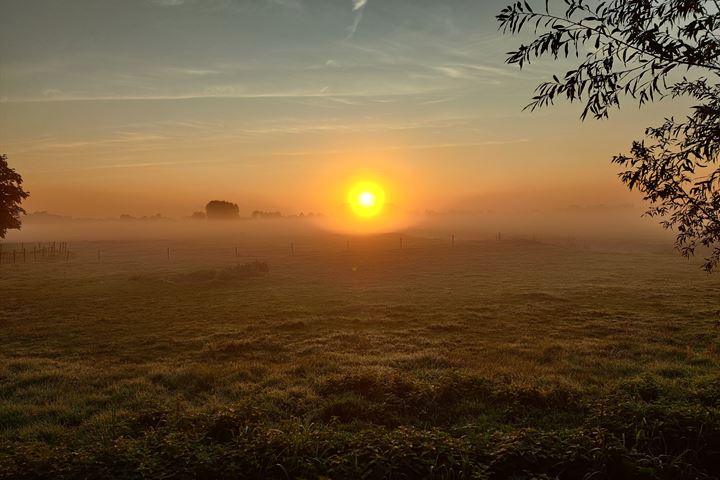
{"points": [[209, 275]]}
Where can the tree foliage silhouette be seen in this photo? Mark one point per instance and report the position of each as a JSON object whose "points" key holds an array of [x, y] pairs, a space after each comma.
{"points": [[646, 50], [221, 210], [11, 196]]}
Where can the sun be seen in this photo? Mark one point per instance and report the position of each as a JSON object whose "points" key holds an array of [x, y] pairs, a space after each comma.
{"points": [[366, 199]]}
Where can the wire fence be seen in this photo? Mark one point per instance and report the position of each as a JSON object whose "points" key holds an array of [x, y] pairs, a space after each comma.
{"points": [[248, 250], [33, 252]]}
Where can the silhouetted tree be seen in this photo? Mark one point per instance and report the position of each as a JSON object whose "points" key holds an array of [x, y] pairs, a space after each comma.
{"points": [[11, 196], [221, 210], [198, 216], [633, 48]]}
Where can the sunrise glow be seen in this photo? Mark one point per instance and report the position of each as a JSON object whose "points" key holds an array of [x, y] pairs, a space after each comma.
{"points": [[366, 199]]}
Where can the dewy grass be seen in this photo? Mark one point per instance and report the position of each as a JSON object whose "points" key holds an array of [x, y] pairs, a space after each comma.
{"points": [[435, 363]]}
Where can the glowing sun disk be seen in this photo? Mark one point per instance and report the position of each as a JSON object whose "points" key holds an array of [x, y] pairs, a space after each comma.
{"points": [[366, 199]]}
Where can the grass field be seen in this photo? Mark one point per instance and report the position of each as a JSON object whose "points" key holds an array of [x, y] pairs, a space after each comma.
{"points": [[486, 360]]}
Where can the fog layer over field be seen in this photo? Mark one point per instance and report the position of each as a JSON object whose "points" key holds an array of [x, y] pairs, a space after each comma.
{"points": [[586, 226]]}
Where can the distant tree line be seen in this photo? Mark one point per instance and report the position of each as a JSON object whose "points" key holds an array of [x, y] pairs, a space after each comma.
{"points": [[157, 216], [259, 214], [224, 210]]}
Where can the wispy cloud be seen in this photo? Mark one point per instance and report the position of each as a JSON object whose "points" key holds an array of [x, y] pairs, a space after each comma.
{"points": [[452, 72], [51, 92], [472, 71], [359, 7], [503, 72], [292, 4], [196, 71], [209, 4], [142, 165], [231, 92], [419, 146], [167, 3]]}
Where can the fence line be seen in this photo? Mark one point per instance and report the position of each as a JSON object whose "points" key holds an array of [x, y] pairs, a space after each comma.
{"points": [[83, 252], [33, 252]]}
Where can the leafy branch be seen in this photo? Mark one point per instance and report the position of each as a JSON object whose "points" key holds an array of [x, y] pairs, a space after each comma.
{"points": [[633, 48]]}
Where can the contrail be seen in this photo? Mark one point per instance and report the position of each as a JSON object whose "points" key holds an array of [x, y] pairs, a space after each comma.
{"points": [[359, 7]]}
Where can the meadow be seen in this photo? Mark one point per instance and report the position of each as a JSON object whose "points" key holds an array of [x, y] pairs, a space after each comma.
{"points": [[485, 360]]}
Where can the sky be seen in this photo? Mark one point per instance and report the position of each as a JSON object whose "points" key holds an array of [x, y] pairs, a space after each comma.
{"points": [[138, 107]]}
